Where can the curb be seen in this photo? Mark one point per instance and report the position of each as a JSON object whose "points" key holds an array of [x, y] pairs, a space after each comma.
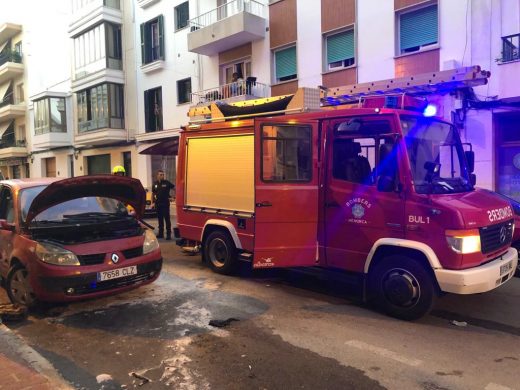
{"points": [[17, 346]]}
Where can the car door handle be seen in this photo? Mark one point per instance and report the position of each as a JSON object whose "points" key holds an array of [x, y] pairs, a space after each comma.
{"points": [[331, 204], [264, 204]]}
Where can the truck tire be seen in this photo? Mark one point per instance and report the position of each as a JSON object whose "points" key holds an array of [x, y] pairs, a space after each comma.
{"points": [[220, 252], [18, 287], [402, 288]]}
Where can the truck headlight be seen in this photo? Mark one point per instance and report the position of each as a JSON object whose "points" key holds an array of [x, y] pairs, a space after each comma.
{"points": [[150, 242], [54, 254], [463, 241]]}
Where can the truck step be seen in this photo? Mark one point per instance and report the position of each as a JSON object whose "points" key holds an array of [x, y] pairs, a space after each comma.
{"points": [[245, 256]]}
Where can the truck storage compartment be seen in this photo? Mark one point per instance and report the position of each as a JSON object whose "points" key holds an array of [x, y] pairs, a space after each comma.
{"points": [[220, 173]]}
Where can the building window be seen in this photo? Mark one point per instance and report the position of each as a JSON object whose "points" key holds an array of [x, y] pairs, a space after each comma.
{"points": [[50, 116], [94, 110], [184, 91], [153, 109], [339, 50], [285, 64], [286, 153], [127, 163], [99, 164], [418, 28], [510, 48], [114, 50], [182, 15], [152, 40], [97, 49]]}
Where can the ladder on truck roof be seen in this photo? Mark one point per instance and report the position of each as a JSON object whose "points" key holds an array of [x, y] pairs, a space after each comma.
{"points": [[441, 82], [312, 99]]}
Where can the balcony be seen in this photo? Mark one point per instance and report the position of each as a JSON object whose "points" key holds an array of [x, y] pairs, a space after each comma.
{"points": [[232, 92], [8, 31], [13, 149], [93, 13], [51, 140], [10, 66], [230, 25], [11, 109], [97, 132]]}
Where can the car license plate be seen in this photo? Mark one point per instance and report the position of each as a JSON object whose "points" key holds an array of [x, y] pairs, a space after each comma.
{"points": [[117, 273], [504, 269]]}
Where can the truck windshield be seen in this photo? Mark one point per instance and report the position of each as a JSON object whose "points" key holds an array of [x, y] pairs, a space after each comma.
{"points": [[436, 156]]}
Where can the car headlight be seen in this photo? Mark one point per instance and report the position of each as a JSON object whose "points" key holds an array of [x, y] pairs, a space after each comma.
{"points": [[463, 241], [150, 242], [54, 254]]}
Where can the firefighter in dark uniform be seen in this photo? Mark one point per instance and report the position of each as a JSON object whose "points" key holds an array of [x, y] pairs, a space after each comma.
{"points": [[161, 198]]}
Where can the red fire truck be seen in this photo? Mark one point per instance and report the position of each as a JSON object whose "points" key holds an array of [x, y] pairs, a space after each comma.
{"points": [[380, 187]]}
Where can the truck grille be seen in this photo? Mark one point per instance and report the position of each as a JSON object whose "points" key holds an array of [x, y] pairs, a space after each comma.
{"points": [[496, 236]]}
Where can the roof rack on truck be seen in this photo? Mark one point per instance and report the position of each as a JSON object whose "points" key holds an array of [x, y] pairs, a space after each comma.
{"points": [[312, 99]]}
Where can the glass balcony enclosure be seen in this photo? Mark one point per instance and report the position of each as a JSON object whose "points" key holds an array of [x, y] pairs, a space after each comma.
{"points": [[98, 48], [100, 107], [50, 116]]}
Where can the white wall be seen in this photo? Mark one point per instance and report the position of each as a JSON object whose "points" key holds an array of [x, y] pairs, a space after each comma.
{"points": [[309, 43], [375, 40]]}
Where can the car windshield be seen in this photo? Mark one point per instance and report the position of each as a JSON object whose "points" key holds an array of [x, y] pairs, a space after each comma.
{"points": [[90, 207], [436, 156]]}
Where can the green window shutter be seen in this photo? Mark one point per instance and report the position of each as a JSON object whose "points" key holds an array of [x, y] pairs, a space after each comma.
{"points": [[419, 28], [161, 37], [143, 50], [340, 46], [285, 62]]}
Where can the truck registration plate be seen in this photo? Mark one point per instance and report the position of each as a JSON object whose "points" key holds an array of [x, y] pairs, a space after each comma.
{"points": [[117, 273], [504, 269]]}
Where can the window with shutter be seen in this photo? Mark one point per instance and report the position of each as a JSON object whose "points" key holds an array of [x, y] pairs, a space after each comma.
{"points": [[182, 15], [340, 50], [285, 64], [152, 40], [418, 28]]}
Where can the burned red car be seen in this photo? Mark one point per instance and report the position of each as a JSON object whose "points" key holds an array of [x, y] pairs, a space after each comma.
{"points": [[66, 240]]}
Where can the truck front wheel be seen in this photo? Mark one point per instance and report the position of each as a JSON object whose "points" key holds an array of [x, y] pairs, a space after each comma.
{"points": [[220, 252], [402, 288]]}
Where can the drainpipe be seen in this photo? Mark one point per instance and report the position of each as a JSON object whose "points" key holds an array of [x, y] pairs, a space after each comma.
{"points": [[199, 57]]}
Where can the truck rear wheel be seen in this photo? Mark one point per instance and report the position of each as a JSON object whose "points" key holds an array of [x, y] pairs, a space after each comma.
{"points": [[402, 288], [220, 252]]}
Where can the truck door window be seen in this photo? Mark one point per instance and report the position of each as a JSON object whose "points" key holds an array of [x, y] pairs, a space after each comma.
{"points": [[364, 160], [286, 153]]}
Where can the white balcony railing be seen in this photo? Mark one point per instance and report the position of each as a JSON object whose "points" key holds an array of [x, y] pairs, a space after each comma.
{"points": [[230, 8], [232, 90]]}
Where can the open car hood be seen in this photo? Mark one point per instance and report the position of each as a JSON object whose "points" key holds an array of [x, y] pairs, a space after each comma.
{"points": [[127, 190]]}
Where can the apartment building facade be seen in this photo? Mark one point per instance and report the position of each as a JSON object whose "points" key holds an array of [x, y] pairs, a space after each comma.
{"points": [[13, 145], [127, 72], [307, 43]]}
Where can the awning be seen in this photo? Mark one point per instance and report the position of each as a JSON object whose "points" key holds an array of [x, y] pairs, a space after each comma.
{"points": [[167, 147], [3, 89], [3, 127]]}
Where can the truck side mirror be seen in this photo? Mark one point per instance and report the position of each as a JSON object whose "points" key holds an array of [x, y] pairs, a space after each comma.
{"points": [[470, 158], [386, 184], [473, 179]]}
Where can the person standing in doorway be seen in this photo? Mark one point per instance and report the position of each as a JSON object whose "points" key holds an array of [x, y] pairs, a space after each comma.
{"points": [[161, 199]]}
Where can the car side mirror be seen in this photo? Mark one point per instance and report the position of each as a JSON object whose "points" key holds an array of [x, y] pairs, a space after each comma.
{"points": [[470, 159], [4, 225]]}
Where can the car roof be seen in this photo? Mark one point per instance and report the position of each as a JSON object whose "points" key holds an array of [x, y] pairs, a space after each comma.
{"points": [[27, 183]]}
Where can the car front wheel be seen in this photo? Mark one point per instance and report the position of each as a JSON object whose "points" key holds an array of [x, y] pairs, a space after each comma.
{"points": [[18, 287]]}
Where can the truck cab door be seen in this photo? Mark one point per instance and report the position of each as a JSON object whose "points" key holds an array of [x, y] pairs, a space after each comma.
{"points": [[286, 194], [363, 201]]}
